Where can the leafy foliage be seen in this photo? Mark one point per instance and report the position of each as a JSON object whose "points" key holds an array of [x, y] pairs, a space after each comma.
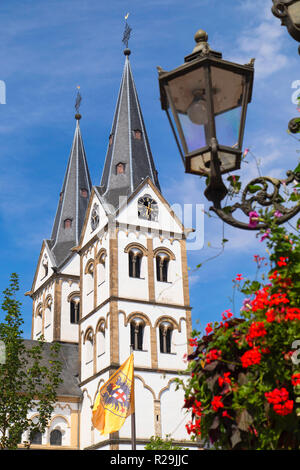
{"points": [[244, 379], [157, 443], [25, 383]]}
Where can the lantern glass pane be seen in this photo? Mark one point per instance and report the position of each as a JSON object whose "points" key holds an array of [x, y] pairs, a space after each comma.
{"points": [[188, 95], [228, 87], [194, 134], [228, 127]]}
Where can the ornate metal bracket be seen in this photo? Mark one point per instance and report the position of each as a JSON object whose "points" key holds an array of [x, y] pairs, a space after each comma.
{"points": [[263, 192]]}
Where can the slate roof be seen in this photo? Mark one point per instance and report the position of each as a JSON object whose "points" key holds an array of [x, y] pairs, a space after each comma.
{"points": [[72, 204], [68, 356], [125, 148]]}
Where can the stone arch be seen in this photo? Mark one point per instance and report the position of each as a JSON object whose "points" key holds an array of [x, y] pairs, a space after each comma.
{"points": [[136, 245], [97, 390], [169, 319], [48, 301], [89, 267], [85, 391], [100, 322], [167, 387], [137, 314], [145, 385], [101, 253], [72, 295], [87, 333], [61, 417], [162, 249], [39, 309]]}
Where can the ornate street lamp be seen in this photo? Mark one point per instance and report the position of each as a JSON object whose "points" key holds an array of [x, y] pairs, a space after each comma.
{"points": [[289, 13], [208, 99]]}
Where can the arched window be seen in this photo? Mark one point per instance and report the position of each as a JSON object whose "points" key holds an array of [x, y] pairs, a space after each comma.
{"points": [[135, 258], [101, 268], [84, 192], [162, 264], [74, 311], [120, 168], [137, 134], [56, 437], [67, 223], [165, 334], [89, 346], [137, 326], [35, 437], [101, 339]]}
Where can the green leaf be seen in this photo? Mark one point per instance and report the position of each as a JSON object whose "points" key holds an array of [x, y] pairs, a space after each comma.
{"points": [[253, 188]]}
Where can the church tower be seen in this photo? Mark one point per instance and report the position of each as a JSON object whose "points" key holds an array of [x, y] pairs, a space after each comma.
{"points": [[114, 275], [133, 285], [56, 285]]}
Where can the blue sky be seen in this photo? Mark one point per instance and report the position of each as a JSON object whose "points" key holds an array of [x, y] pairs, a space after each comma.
{"points": [[49, 47]]}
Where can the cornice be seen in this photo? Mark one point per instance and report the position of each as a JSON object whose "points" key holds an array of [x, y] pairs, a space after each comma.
{"points": [[114, 366], [138, 301]]}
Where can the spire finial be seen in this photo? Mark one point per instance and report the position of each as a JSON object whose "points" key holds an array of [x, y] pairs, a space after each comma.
{"points": [[77, 104], [126, 35]]}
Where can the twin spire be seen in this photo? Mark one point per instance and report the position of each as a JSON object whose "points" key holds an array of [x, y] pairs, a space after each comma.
{"points": [[128, 162]]}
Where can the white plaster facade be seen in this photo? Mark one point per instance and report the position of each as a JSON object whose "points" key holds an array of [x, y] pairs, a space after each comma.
{"points": [[97, 276]]}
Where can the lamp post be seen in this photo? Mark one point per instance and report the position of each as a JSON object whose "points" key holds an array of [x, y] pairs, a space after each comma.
{"points": [[208, 99]]}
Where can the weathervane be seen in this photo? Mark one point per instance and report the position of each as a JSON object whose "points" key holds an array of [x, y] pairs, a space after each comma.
{"points": [[127, 31], [77, 104]]}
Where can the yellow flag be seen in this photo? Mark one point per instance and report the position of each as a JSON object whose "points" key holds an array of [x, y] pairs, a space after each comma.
{"points": [[115, 400]]}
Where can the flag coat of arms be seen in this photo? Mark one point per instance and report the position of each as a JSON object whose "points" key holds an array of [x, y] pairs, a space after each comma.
{"points": [[115, 400]]}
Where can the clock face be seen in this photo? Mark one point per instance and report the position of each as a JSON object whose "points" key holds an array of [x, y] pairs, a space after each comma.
{"points": [[95, 217], [147, 208]]}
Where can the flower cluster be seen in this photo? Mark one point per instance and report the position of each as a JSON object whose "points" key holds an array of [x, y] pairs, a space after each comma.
{"points": [[193, 342], [279, 398], [251, 357], [296, 379], [217, 403], [225, 379], [193, 427], [212, 355], [244, 391], [256, 330], [209, 329]]}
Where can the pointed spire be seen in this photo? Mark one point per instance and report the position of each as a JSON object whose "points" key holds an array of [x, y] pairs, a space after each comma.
{"points": [[73, 201], [128, 160]]}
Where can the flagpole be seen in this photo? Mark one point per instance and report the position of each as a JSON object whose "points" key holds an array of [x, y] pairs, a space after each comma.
{"points": [[133, 429]]}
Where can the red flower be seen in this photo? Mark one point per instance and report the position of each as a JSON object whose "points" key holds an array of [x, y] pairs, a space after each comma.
{"points": [[251, 357], [239, 277], [282, 261], [227, 314], [270, 315], [209, 328], [273, 275], [296, 379], [193, 342], [292, 313], [224, 379], [278, 395], [284, 409], [217, 403], [226, 415], [256, 330], [212, 355]]}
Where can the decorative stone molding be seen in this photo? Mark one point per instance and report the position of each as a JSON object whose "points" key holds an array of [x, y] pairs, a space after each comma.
{"points": [[162, 249]]}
